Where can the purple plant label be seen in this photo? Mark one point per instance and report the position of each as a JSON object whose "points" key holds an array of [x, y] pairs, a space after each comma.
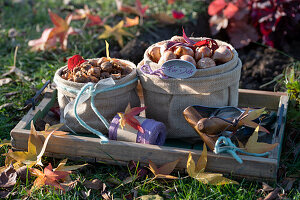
{"points": [[177, 68]]}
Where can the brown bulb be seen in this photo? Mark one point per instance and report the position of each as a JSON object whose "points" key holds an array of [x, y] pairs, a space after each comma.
{"points": [[154, 53], [223, 54], [178, 39], [180, 51], [188, 58], [168, 55], [202, 52], [206, 62]]}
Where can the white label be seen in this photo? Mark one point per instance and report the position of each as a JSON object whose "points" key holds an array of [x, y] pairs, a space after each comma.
{"points": [[177, 68]]}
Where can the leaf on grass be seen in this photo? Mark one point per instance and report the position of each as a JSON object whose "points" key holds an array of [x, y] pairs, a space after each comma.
{"points": [[8, 177], [44, 43], [252, 146], [5, 142], [61, 28], [36, 149], [117, 32], [164, 18], [138, 9], [128, 118], [95, 20], [216, 6], [48, 177], [170, 2], [62, 166], [95, 184], [81, 13], [230, 10], [163, 171], [177, 14], [151, 197], [5, 81], [197, 171], [131, 21], [16, 71]]}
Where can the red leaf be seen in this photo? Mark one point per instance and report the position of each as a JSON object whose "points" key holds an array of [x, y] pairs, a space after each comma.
{"points": [[74, 61], [140, 8], [188, 40], [230, 10], [216, 6], [177, 14], [95, 20], [202, 43], [171, 2], [135, 111]]}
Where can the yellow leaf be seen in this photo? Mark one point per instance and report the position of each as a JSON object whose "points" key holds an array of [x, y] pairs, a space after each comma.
{"points": [[197, 172], [240, 144], [49, 129], [117, 32], [201, 164], [252, 146], [5, 142], [61, 166], [107, 49]]}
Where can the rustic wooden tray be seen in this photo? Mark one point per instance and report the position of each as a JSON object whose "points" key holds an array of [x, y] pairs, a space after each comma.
{"points": [[119, 152]]}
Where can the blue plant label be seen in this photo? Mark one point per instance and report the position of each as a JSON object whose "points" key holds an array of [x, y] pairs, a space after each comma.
{"points": [[177, 68]]}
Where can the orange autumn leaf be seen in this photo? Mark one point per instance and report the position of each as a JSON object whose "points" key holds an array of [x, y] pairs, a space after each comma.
{"points": [[131, 21], [48, 177], [252, 146], [81, 13], [49, 129], [61, 28], [44, 43], [128, 118], [95, 20], [164, 18], [164, 171]]}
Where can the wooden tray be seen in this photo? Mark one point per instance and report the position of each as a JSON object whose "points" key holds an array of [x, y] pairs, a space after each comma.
{"points": [[119, 152]]}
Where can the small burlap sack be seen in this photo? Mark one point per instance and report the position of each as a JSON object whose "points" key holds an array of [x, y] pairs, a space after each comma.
{"points": [[108, 103], [166, 99]]}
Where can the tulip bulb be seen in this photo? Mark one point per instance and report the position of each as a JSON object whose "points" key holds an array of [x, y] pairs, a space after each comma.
{"points": [[189, 59], [222, 54], [206, 62]]}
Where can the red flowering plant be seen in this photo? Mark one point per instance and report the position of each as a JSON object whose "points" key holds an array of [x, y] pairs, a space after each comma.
{"points": [[250, 20]]}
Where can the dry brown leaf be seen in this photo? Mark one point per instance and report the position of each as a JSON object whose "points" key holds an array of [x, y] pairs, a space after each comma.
{"points": [[5, 81], [8, 177], [163, 171], [164, 18], [95, 184]]}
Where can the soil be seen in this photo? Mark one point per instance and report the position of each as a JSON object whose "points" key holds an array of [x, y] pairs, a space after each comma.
{"points": [[260, 64]]}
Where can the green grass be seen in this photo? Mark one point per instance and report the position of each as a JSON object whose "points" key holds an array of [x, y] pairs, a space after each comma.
{"points": [[29, 21]]}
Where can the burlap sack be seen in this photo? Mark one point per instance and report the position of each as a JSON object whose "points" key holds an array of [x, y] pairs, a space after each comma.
{"points": [[108, 103], [166, 99]]}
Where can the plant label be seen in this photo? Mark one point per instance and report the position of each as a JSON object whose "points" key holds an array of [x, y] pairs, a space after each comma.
{"points": [[177, 68]]}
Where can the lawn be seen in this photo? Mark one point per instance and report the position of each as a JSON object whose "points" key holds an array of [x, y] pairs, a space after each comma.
{"points": [[25, 20]]}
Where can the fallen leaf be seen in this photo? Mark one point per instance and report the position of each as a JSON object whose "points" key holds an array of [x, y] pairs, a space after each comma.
{"points": [[18, 72], [139, 171], [95, 184], [62, 166], [68, 186], [216, 6], [131, 21], [197, 171], [10, 94], [138, 9], [8, 177], [163, 171], [252, 146], [128, 118], [5, 193], [36, 149], [23, 173], [216, 23], [44, 42], [171, 1], [164, 18], [272, 195], [48, 177], [49, 129], [74, 61], [6, 105], [230, 10], [5, 81], [85, 194], [289, 184], [117, 32], [5, 142], [151, 197], [61, 29], [95, 20], [266, 187], [177, 14], [81, 13]]}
